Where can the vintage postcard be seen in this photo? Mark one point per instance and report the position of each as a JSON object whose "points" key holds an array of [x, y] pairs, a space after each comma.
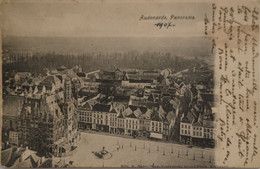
{"points": [[132, 83]]}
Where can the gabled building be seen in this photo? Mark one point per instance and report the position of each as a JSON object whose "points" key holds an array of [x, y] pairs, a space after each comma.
{"points": [[100, 117], [52, 83], [120, 124], [156, 126], [49, 124], [113, 113], [186, 127], [197, 128], [145, 119], [84, 110], [132, 123]]}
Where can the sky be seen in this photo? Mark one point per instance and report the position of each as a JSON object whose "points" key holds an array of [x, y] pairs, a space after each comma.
{"points": [[101, 18]]}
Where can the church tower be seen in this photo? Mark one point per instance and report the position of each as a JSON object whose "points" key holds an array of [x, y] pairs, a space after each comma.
{"points": [[67, 92]]}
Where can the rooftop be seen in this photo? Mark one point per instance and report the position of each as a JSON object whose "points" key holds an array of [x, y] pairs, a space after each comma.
{"points": [[101, 107]]}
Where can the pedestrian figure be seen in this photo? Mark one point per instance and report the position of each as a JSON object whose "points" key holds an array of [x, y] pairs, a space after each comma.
{"points": [[172, 151], [210, 159], [187, 153], [202, 155], [135, 148], [157, 148], [193, 155]]}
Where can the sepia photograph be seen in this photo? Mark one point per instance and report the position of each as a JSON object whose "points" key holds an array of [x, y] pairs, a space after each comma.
{"points": [[125, 84]]}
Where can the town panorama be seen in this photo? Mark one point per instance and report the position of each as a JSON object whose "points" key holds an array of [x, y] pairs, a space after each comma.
{"points": [[58, 115]]}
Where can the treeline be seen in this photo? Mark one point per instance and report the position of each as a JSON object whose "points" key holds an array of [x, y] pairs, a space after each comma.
{"points": [[92, 61]]}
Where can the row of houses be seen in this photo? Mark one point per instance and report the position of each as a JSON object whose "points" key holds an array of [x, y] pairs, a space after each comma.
{"points": [[197, 129], [126, 120]]}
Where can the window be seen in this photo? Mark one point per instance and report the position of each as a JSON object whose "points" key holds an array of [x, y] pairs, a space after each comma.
{"points": [[185, 131]]}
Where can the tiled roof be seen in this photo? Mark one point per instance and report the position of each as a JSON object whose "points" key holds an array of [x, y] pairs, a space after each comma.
{"points": [[137, 113], [143, 109], [156, 117], [198, 123], [113, 111], [86, 106], [188, 118], [133, 108], [101, 107], [120, 115], [6, 156], [132, 115]]}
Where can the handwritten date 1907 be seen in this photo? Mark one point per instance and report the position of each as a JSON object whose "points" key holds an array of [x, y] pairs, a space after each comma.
{"points": [[164, 25]]}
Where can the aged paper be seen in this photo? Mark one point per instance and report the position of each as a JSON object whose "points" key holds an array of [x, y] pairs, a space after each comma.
{"points": [[156, 84]]}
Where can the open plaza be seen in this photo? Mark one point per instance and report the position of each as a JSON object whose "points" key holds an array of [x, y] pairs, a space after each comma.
{"points": [[126, 152]]}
